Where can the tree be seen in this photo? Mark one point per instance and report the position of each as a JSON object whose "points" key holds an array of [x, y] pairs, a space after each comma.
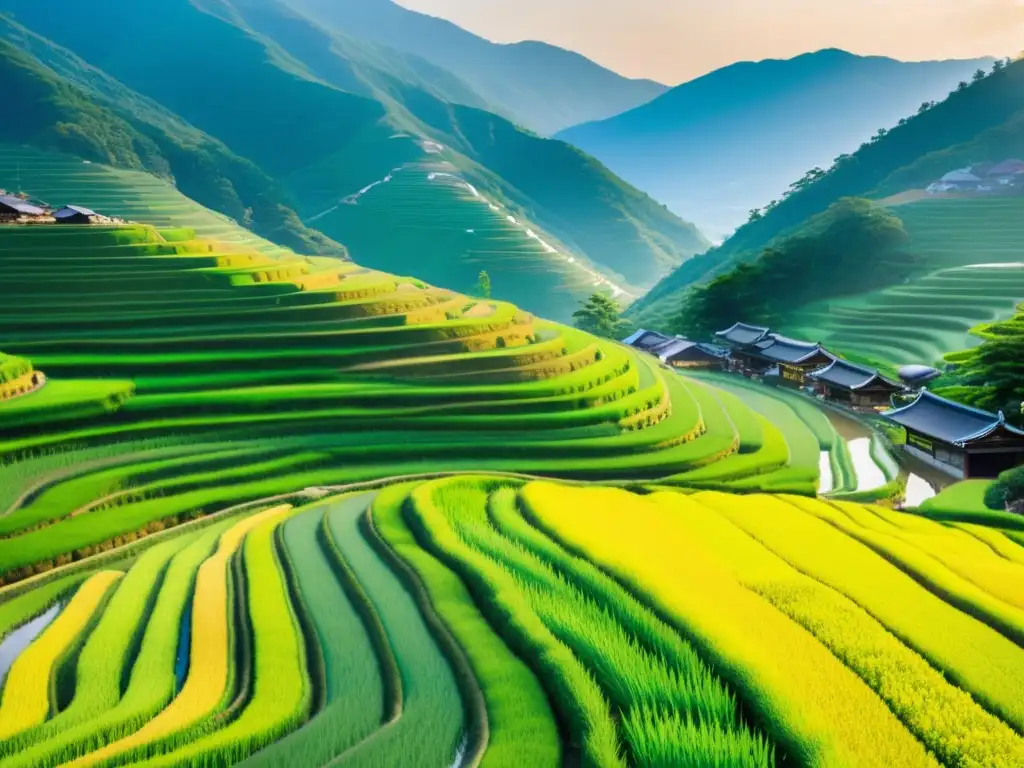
{"points": [[754, 215], [484, 283], [599, 315], [979, 75]]}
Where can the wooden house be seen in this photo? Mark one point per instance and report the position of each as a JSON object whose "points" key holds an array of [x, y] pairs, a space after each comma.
{"points": [[15, 209], [793, 359], [683, 353], [854, 385], [646, 340], [75, 214], [741, 340], [959, 440]]}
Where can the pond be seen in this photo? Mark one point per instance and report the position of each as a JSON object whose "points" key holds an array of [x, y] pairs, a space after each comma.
{"points": [[16, 642]]}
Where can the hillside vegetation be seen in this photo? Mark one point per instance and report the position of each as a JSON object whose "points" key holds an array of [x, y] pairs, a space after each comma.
{"points": [[985, 111], [374, 115], [732, 140]]}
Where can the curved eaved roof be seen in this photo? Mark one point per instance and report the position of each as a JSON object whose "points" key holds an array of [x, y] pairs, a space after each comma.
{"points": [[741, 333], [948, 421], [847, 375], [786, 350]]}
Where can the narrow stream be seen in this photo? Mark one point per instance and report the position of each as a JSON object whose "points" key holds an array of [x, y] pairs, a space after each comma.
{"points": [[184, 647], [826, 483], [869, 474], [20, 639]]}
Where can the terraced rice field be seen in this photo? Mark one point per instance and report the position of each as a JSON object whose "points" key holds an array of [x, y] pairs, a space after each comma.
{"points": [[976, 249], [476, 620], [277, 510], [423, 217]]}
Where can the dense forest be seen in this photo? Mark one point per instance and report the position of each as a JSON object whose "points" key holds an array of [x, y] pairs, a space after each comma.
{"points": [[826, 259]]}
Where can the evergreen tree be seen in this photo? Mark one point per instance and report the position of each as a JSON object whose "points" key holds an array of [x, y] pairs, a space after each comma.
{"points": [[599, 315]]}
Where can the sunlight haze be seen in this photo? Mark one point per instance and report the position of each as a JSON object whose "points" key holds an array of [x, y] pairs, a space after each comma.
{"points": [[680, 39]]}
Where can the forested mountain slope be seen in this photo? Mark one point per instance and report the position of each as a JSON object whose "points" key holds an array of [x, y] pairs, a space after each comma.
{"points": [[978, 121], [331, 121], [541, 86], [734, 139]]}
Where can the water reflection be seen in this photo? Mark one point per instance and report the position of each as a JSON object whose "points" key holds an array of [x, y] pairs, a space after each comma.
{"points": [[16, 642], [869, 474], [919, 491], [826, 483]]}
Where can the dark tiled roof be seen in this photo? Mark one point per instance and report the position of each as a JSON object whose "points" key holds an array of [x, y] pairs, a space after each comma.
{"points": [[784, 350], [73, 210], [948, 421], [741, 333], [20, 206], [649, 340], [847, 375]]}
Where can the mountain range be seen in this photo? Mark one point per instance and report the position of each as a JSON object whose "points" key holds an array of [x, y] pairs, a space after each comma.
{"points": [[300, 130], [540, 86], [733, 140]]}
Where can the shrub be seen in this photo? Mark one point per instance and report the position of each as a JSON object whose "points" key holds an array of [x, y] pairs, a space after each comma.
{"points": [[1007, 492]]}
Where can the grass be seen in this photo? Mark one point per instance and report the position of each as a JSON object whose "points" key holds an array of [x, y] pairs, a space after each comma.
{"points": [[432, 719], [29, 693], [795, 687], [282, 694], [353, 692], [980, 660], [521, 728], [107, 654], [210, 665]]}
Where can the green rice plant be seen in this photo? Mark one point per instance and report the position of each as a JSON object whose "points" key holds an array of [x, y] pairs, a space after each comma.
{"points": [[151, 684], [577, 696], [520, 727], [682, 559], [29, 691], [354, 701], [772, 455], [432, 720], [946, 719], [973, 655], [282, 694], [105, 657], [18, 610]]}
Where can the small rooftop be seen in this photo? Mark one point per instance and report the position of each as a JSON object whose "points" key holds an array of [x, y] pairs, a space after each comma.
{"points": [[73, 210], [20, 206], [786, 350], [1007, 168], [744, 334], [647, 340], [847, 375], [948, 421]]}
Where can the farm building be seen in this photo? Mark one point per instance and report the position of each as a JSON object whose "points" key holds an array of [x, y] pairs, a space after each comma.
{"points": [[794, 359], [855, 385], [743, 354], [1007, 173], [959, 440], [74, 214], [961, 179], [646, 340], [15, 209], [683, 353]]}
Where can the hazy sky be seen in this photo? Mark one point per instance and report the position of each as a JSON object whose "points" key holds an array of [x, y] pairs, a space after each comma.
{"points": [[675, 40]]}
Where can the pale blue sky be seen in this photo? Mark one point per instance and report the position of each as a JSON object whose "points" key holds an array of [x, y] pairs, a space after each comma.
{"points": [[675, 40]]}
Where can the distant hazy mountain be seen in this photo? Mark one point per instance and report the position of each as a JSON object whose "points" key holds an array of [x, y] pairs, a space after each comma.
{"points": [[540, 86], [286, 124], [981, 122], [736, 138]]}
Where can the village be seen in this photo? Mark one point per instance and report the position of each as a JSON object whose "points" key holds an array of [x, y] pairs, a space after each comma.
{"points": [[988, 178], [955, 439], [19, 209]]}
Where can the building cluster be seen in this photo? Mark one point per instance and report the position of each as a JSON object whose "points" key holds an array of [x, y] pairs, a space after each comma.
{"points": [[956, 439], [983, 178], [14, 209]]}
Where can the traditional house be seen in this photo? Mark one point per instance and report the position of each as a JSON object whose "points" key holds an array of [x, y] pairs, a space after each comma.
{"points": [[855, 385], [917, 376], [794, 359], [962, 179], [74, 214], [15, 209], [959, 440], [683, 353], [741, 340], [646, 340], [1007, 173]]}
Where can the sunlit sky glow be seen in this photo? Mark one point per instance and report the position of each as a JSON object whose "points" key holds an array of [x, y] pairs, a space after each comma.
{"points": [[676, 40]]}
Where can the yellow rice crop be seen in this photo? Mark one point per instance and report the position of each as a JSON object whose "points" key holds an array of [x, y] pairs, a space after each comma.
{"points": [[679, 555], [962, 553], [972, 654], [26, 698], [211, 656], [1001, 544]]}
